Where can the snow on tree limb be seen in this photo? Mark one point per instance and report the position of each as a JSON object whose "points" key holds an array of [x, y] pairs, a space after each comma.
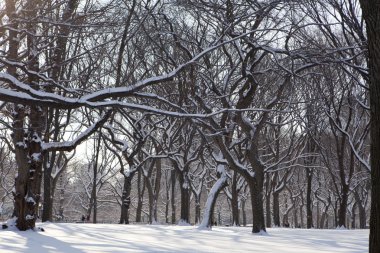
{"points": [[70, 145]]}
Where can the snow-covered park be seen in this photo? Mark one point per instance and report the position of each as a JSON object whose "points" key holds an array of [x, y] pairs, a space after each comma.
{"points": [[81, 238]]}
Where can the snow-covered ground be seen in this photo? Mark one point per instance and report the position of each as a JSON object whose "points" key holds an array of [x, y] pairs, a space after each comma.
{"points": [[80, 238]]}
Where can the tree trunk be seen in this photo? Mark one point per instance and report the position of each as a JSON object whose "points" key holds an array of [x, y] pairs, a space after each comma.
{"points": [[295, 214], [173, 203], [140, 193], [256, 190], [61, 198], [197, 209], [309, 203], [126, 199], [211, 200], [353, 217], [27, 144], [95, 181], [185, 198], [47, 212], [343, 206], [157, 187], [150, 198], [268, 220], [371, 10], [276, 209], [244, 213], [235, 201]]}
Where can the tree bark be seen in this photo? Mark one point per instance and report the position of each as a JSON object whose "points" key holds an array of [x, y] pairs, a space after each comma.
{"points": [[140, 193], [185, 198], [27, 144], [371, 10], [235, 201], [126, 199], [343, 206], [309, 203], [258, 222], [268, 187], [172, 198], [244, 213], [276, 209], [47, 212], [157, 187], [197, 210]]}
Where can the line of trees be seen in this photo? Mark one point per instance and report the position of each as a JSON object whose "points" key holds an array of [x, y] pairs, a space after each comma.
{"points": [[268, 103]]}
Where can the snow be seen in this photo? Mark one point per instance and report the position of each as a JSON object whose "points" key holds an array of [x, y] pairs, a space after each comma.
{"points": [[29, 217], [36, 157], [215, 188], [183, 223], [107, 238], [21, 144], [30, 200]]}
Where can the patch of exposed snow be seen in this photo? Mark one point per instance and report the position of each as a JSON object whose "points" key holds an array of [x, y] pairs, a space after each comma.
{"points": [[115, 238]]}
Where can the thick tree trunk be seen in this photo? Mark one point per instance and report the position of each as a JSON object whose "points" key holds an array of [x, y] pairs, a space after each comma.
{"points": [[126, 199], [185, 198], [27, 144], [276, 209], [256, 190], [28, 181], [343, 206], [371, 10], [47, 212], [29, 158]]}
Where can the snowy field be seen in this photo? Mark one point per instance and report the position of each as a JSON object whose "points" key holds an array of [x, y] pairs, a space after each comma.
{"points": [[104, 238]]}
